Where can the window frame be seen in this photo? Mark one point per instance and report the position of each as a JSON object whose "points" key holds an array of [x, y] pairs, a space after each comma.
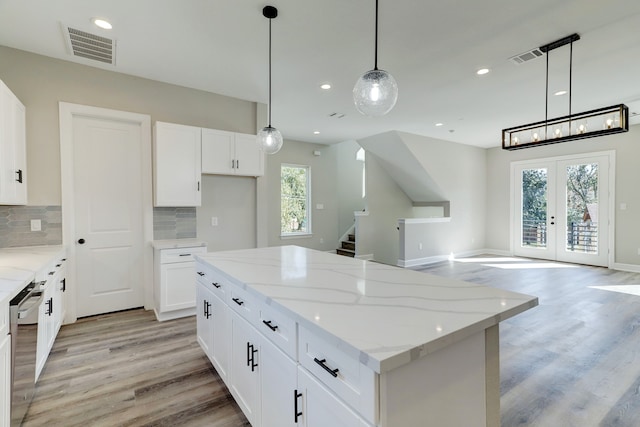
{"points": [[308, 231]]}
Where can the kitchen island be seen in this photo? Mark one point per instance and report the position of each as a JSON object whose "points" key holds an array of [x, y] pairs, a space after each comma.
{"points": [[354, 342]]}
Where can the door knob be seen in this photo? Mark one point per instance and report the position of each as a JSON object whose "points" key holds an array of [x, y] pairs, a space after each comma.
{"points": [[81, 241]]}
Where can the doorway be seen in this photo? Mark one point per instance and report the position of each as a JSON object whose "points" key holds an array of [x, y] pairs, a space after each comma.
{"points": [[106, 208], [561, 208]]}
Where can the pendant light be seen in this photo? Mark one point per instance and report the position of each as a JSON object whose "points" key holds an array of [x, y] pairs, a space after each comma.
{"points": [[376, 91], [270, 138]]}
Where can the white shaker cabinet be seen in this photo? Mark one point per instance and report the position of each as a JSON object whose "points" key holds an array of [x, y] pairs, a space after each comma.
{"points": [[244, 382], [13, 154], [174, 289], [320, 408], [176, 165], [229, 153], [213, 324]]}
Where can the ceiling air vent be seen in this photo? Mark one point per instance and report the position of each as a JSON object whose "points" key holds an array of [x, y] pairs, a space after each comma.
{"points": [[90, 46], [526, 56]]}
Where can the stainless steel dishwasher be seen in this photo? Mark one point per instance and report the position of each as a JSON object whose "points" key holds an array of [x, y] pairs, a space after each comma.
{"points": [[24, 338]]}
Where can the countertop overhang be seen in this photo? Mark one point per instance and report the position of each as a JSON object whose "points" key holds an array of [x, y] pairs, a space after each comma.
{"points": [[382, 315], [19, 266]]}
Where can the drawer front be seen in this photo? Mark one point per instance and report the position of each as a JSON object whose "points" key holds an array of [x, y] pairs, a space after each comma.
{"points": [[351, 381], [212, 280], [181, 254], [243, 304], [279, 329]]}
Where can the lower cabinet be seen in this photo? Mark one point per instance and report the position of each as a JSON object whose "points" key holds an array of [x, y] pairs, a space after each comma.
{"points": [[46, 326], [320, 408], [254, 350], [5, 379], [213, 324]]}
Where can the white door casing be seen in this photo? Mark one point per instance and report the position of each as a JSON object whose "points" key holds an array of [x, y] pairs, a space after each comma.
{"points": [[106, 200], [557, 246]]}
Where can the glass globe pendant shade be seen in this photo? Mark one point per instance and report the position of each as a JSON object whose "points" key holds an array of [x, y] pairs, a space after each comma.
{"points": [[375, 93], [270, 140]]}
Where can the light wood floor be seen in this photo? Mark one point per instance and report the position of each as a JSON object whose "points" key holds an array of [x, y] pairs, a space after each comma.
{"points": [[575, 359], [572, 361], [127, 369]]}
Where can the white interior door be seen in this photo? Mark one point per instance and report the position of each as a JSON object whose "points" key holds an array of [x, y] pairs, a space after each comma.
{"points": [[106, 207], [562, 209]]}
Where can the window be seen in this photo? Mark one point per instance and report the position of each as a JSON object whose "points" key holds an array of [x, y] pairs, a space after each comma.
{"points": [[295, 194]]}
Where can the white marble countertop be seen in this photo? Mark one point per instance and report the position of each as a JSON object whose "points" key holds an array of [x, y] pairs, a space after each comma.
{"points": [[19, 266], [177, 243], [383, 315]]}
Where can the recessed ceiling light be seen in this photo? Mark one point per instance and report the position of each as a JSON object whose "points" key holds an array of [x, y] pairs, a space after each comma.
{"points": [[439, 124], [482, 71], [316, 132], [102, 23], [325, 86], [560, 93]]}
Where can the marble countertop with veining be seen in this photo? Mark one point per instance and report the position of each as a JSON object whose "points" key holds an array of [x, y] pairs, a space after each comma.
{"points": [[383, 315], [19, 266]]}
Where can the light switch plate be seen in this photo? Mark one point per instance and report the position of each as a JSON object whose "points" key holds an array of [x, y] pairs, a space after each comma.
{"points": [[214, 221]]}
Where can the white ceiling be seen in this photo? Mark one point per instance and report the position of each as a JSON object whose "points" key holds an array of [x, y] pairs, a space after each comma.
{"points": [[432, 48]]}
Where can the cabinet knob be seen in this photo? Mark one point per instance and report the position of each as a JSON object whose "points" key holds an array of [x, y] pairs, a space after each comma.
{"points": [[81, 241]]}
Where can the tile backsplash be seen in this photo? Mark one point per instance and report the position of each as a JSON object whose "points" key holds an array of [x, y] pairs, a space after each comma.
{"points": [[15, 226], [174, 223]]}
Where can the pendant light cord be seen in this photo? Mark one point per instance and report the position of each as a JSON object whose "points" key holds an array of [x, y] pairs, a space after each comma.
{"points": [[546, 100], [376, 44], [570, 79], [269, 72]]}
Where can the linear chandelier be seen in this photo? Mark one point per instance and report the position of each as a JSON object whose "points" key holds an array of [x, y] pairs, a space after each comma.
{"points": [[589, 124]]}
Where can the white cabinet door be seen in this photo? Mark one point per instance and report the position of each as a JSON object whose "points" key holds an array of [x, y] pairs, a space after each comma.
{"points": [[245, 368], [218, 152], [249, 156], [320, 407], [204, 319], [177, 286], [278, 385], [177, 165], [221, 324], [228, 153], [5, 379], [13, 155], [46, 327]]}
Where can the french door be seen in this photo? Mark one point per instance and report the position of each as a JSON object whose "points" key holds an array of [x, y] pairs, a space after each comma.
{"points": [[561, 208]]}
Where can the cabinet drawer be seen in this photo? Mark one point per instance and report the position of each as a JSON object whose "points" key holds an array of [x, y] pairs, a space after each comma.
{"points": [[212, 280], [279, 329], [243, 304], [181, 254], [351, 381]]}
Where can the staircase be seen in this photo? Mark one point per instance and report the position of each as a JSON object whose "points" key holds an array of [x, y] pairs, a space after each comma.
{"points": [[348, 247]]}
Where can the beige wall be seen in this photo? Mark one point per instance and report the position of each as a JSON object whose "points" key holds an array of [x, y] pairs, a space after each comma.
{"points": [[41, 82], [627, 179]]}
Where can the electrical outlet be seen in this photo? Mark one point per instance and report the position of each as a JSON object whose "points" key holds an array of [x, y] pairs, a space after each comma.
{"points": [[36, 225], [638, 251], [420, 246], [214, 221], [321, 240]]}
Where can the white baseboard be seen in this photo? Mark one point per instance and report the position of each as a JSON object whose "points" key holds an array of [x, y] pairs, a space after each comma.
{"points": [[439, 258], [366, 257], [633, 268]]}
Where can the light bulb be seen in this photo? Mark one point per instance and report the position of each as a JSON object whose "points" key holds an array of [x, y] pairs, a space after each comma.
{"points": [[269, 140], [535, 137], [582, 129], [375, 93], [558, 133], [609, 123]]}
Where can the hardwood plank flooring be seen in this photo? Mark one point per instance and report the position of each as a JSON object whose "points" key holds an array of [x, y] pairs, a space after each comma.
{"points": [[572, 361], [575, 359], [127, 369]]}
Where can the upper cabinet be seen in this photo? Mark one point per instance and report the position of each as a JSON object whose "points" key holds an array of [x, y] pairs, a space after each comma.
{"points": [[229, 153], [13, 149], [177, 165]]}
